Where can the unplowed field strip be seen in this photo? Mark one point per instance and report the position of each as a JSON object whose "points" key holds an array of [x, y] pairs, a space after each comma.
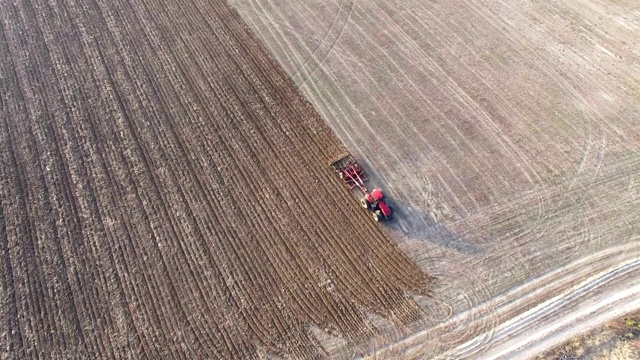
{"points": [[506, 134], [165, 193]]}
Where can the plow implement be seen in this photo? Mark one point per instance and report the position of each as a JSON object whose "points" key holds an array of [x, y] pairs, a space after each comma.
{"points": [[353, 177]]}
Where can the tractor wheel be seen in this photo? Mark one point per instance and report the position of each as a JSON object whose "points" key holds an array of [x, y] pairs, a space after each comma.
{"points": [[365, 204], [377, 215]]}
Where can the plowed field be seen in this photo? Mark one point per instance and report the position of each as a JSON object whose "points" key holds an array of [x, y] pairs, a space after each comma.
{"points": [[165, 193], [507, 132]]}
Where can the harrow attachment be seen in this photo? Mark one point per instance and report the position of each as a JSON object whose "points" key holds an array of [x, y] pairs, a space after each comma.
{"points": [[354, 176]]}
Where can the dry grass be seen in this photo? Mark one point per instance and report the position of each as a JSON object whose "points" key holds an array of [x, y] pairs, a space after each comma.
{"points": [[615, 340]]}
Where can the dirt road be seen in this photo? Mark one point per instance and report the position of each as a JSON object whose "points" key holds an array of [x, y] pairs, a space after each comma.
{"points": [[165, 193], [508, 135]]}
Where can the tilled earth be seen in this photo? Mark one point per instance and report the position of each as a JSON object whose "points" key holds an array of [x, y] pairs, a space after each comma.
{"points": [[507, 135], [165, 193]]}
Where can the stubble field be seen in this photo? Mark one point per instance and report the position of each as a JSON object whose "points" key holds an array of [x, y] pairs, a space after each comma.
{"points": [[165, 193], [507, 134]]}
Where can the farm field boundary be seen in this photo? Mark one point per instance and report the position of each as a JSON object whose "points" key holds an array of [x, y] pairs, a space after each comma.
{"points": [[165, 193]]}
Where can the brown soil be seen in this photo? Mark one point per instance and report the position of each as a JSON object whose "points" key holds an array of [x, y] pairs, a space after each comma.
{"points": [[506, 134], [165, 193], [616, 340]]}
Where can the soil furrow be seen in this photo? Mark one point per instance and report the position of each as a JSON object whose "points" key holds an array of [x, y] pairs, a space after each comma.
{"points": [[168, 193]]}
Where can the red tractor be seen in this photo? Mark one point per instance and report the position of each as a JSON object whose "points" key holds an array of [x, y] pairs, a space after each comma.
{"points": [[353, 176]]}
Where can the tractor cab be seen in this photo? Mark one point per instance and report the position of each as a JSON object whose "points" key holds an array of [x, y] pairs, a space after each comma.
{"points": [[354, 177], [384, 211], [374, 201]]}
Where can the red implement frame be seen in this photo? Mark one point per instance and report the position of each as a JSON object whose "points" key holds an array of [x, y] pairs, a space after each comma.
{"points": [[350, 172], [353, 176]]}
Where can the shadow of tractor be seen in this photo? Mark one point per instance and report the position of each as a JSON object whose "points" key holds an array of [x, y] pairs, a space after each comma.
{"points": [[415, 223]]}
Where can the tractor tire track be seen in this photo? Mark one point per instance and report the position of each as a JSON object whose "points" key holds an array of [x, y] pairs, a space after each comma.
{"points": [[517, 119], [159, 171]]}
